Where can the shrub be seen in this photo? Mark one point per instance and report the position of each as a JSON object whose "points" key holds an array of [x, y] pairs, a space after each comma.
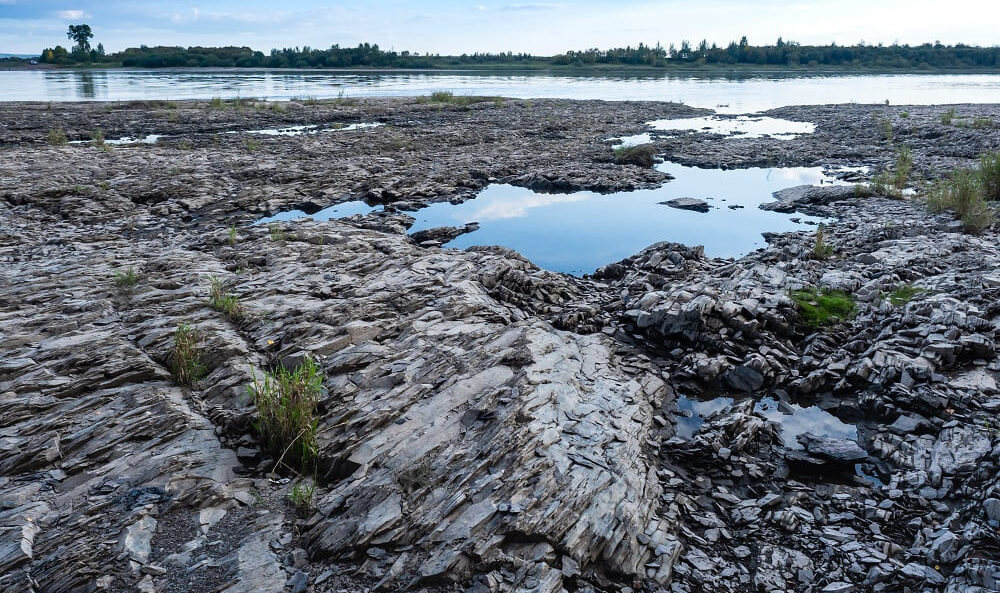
{"points": [[185, 359], [819, 307], [216, 103], [989, 175], [962, 194], [223, 301], [821, 250], [286, 408], [57, 137], [641, 155]]}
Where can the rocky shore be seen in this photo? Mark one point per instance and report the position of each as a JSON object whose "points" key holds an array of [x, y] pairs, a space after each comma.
{"points": [[483, 425]]}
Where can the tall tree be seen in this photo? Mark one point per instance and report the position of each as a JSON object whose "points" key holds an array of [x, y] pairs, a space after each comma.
{"points": [[81, 34]]}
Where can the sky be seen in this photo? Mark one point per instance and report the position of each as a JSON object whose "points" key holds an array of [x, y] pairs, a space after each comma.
{"points": [[454, 27]]}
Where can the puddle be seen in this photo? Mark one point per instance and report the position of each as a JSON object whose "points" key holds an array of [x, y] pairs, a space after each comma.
{"points": [[792, 418], [336, 211], [742, 126], [579, 232], [150, 139], [311, 129]]}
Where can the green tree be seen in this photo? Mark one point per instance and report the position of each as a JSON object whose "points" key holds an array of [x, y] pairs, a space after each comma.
{"points": [[81, 34]]}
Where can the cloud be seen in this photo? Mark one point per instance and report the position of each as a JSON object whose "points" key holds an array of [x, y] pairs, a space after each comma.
{"points": [[71, 14]]}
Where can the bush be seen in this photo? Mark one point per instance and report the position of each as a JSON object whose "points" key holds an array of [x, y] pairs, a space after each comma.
{"points": [[641, 155], [286, 408], [185, 358], [819, 307], [962, 194], [989, 175]]}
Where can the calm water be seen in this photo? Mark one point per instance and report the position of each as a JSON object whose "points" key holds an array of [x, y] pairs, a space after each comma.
{"points": [[735, 94], [577, 233]]}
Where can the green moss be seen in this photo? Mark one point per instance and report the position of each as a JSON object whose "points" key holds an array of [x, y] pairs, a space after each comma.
{"points": [[819, 307], [641, 155]]}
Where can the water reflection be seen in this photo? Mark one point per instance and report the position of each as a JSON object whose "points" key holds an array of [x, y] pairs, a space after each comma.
{"points": [[727, 92], [579, 232]]}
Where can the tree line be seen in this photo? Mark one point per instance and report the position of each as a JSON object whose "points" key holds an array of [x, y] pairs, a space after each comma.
{"points": [[790, 53], [782, 53]]}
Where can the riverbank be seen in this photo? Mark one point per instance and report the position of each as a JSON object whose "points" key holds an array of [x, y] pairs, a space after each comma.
{"points": [[482, 422]]}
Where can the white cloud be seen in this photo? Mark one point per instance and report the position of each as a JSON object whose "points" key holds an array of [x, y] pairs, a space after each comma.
{"points": [[71, 14]]}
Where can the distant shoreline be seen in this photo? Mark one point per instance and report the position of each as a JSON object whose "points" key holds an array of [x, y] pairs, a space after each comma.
{"points": [[550, 69]]}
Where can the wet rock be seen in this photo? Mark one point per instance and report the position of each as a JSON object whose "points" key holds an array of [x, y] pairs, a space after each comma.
{"points": [[693, 204], [839, 450]]}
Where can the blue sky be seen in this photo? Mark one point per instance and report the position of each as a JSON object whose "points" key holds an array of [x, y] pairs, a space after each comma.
{"points": [[453, 27]]}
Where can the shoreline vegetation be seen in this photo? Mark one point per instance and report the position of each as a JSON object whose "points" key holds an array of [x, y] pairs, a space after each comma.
{"points": [[782, 56]]}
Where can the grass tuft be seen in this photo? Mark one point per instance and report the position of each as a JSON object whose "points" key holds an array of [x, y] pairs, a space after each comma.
{"points": [[57, 137], [97, 137], [820, 307], [904, 165], [302, 495], [286, 408], [641, 155], [821, 250], [233, 238], [185, 359], [126, 280], [224, 301], [948, 116], [904, 293], [989, 175], [963, 195]]}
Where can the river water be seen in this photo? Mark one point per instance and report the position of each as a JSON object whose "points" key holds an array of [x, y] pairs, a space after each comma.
{"points": [[744, 93]]}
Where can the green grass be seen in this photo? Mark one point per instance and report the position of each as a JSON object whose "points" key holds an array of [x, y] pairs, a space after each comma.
{"points": [[57, 137], [251, 144], [126, 280], [989, 175], [904, 166], [216, 103], [302, 495], [641, 155], [821, 307], [447, 97], [883, 185], [948, 116], [232, 238], [186, 364], [97, 137], [821, 250], [286, 408], [886, 129], [963, 195], [223, 301], [277, 233], [904, 293]]}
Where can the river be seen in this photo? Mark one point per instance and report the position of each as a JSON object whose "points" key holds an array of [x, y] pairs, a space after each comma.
{"points": [[744, 93]]}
